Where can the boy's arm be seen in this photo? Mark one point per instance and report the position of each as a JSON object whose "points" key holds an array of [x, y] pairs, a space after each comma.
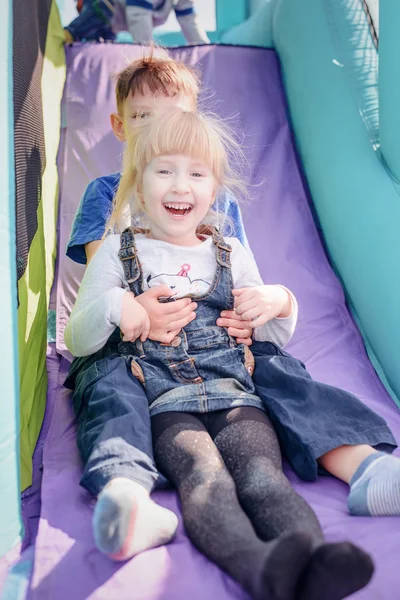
{"points": [[245, 273], [97, 310], [91, 218], [90, 250], [230, 207]]}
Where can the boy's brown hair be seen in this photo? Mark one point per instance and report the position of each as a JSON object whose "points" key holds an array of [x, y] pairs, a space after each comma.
{"points": [[164, 75]]}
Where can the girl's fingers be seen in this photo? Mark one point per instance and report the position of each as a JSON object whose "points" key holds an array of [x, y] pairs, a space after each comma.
{"points": [[261, 320], [240, 291], [242, 307], [245, 296], [254, 313]]}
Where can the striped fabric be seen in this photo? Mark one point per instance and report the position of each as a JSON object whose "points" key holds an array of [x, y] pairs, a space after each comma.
{"points": [[39, 76]]}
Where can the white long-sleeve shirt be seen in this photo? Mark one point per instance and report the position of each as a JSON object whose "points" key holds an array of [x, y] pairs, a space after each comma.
{"points": [[187, 270]]}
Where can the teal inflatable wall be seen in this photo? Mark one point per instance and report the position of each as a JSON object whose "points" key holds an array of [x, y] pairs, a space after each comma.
{"points": [[349, 146]]}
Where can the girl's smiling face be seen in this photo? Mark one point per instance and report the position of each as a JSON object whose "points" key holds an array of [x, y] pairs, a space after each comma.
{"points": [[177, 192]]}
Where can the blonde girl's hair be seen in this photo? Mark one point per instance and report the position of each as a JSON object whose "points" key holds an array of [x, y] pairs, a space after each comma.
{"points": [[200, 136]]}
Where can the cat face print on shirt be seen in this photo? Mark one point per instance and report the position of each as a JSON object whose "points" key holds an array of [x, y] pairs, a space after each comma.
{"points": [[180, 283]]}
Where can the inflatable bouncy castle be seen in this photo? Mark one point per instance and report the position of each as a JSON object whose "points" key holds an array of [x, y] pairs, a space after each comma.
{"points": [[314, 88]]}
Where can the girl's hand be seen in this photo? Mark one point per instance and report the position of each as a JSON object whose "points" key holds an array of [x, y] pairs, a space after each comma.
{"points": [[166, 319], [262, 303], [237, 327], [135, 322]]}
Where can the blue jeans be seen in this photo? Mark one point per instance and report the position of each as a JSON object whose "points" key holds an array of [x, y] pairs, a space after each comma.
{"points": [[93, 22], [310, 417], [114, 431]]}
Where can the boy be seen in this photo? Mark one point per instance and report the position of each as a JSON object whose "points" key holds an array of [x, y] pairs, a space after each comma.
{"points": [[126, 521]]}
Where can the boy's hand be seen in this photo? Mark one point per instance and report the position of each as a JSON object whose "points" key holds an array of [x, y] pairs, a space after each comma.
{"points": [[262, 303], [166, 319], [237, 327], [135, 322]]}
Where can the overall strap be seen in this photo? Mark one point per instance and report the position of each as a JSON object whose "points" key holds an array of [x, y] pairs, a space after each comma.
{"points": [[129, 258], [223, 258], [223, 250]]}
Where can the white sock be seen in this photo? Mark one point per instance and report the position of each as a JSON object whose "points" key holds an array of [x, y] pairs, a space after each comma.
{"points": [[127, 521]]}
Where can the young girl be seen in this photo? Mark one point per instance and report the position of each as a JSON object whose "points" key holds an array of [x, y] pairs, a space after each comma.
{"points": [[212, 438]]}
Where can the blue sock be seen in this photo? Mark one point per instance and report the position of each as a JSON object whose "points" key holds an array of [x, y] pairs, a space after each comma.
{"points": [[375, 487]]}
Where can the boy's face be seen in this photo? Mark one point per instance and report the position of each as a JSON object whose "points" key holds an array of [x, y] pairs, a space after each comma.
{"points": [[141, 105]]}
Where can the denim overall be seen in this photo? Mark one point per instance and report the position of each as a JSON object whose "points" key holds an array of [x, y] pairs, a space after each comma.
{"points": [[203, 368]]}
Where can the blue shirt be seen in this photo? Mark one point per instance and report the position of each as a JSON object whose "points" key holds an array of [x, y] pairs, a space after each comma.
{"points": [[96, 206]]}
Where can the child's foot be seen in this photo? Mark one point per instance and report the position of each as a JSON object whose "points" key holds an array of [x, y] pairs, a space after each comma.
{"points": [[335, 571], [375, 487], [286, 559], [126, 521]]}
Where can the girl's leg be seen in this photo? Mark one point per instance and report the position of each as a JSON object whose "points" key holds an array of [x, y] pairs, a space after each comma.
{"points": [[249, 447], [374, 478], [114, 439], [213, 517]]}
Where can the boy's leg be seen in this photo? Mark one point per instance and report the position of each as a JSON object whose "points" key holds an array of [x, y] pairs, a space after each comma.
{"points": [[318, 424], [114, 430], [250, 449], [343, 462], [114, 439], [213, 517], [374, 479], [312, 418]]}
